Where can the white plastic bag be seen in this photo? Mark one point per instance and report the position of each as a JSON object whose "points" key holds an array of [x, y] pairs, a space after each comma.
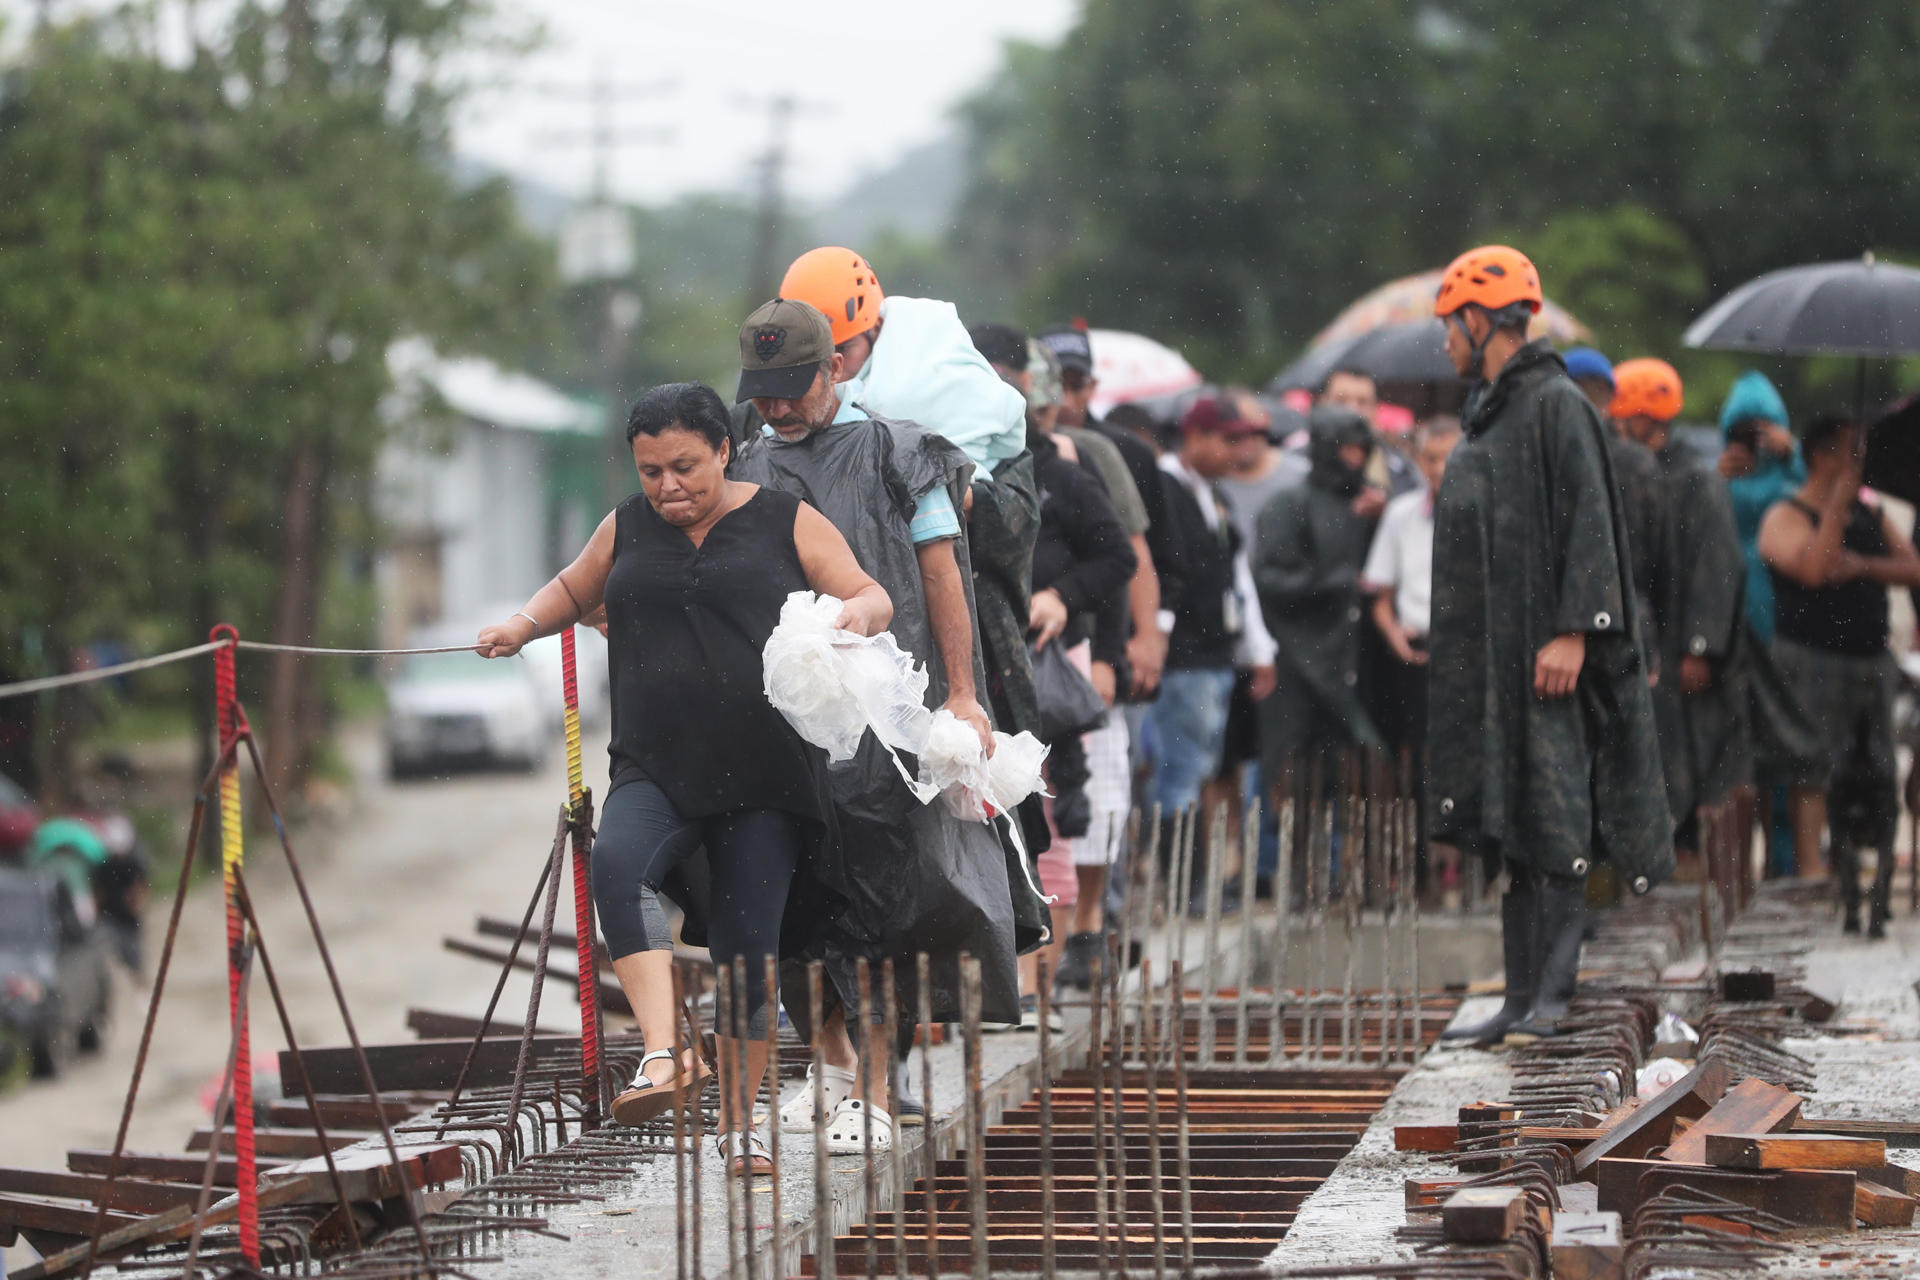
{"points": [[1657, 1075], [1013, 772], [833, 686]]}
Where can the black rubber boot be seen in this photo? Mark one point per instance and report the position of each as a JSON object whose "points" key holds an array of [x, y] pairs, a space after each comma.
{"points": [[1881, 909], [1516, 940], [1559, 911], [1076, 962], [1846, 866]]}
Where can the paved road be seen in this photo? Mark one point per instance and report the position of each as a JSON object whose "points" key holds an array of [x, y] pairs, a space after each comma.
{"points": [[411, 862]]}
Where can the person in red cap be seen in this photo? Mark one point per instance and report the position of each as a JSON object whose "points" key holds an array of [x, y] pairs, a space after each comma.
{"points": [[1538, 685], [1216, 621]]}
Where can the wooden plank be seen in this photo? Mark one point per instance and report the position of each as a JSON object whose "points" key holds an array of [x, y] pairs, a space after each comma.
{"points": [[341, 1112], [420, 1064], [1752, 1106], [1650, 1124], [1894, 1178], [168, 1168], [130, 1194], [1878, 1207], [434, 1024], [1483, 1215], [58, 1216], [1425, 1137], [612, 998], [1794, 1151], [1587, 1246], [118, 1240], [286, 1143], [367, 1174], [1809, 1197], [174, 1224], [1893, 1133]]}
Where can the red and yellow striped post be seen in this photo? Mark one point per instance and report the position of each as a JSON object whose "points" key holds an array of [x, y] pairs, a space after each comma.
{"points": [[580, 808], [232, 849]]}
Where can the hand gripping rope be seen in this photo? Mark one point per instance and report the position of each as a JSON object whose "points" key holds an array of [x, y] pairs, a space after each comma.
{"points": [[232, 849], [580, 821]]}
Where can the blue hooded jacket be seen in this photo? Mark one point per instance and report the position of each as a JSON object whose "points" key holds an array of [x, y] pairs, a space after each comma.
{"points": [[1753, 396]]}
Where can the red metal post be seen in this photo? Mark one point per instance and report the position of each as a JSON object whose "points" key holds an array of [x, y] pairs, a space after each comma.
{"points": [[232, 849]]}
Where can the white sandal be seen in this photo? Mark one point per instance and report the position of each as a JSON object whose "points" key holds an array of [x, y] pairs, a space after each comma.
{"points": [[797, 1115], [847, 1131], [744, 1154]]}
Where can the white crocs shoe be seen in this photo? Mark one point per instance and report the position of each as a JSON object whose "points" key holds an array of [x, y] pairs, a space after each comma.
{"points": [[847, 1131], [796, 1116]]}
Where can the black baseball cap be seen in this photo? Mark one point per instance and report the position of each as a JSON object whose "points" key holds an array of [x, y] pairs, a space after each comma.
{"points": [[1071, 346], [781, 347]]}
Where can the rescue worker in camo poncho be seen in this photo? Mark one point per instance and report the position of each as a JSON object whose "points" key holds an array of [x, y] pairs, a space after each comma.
{"points": [[1544, 753]]}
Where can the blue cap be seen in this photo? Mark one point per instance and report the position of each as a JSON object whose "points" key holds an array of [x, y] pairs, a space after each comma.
{"points": [[1585, 362], [1753, 396]]}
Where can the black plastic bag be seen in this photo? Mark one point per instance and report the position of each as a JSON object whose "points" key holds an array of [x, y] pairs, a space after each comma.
{"points": [[1069, 704]]}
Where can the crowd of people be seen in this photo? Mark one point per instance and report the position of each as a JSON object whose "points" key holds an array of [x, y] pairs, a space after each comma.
{"points": [[1607, 631]]}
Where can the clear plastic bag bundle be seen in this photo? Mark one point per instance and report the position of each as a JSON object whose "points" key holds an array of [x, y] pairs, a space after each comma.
{"points": [[832, 686]]}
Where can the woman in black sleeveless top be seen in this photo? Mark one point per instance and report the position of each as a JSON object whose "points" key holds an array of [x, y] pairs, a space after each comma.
{"points": [[693, 572]]}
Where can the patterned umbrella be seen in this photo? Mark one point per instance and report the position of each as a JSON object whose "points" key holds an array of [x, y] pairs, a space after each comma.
{"points": [[1134, 369], [1411, 298]]}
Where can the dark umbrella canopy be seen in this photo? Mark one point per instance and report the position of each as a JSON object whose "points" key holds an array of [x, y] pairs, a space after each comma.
{"points": [[1413, 353], [1893, 451], [1864, 308]]}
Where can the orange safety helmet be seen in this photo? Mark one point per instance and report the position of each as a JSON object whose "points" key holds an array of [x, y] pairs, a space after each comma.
{"points": [[1646, 389], [840, 283], [1492, 276]]}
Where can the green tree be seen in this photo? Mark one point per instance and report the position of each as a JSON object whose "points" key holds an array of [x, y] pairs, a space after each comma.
{"points": [[224, 251]]}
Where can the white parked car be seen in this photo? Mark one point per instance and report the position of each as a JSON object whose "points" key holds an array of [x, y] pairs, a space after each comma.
{"points": [[460, 708]]}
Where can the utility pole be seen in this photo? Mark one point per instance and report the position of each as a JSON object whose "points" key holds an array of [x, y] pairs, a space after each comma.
{"points": [[770, 168], [596, 243]]}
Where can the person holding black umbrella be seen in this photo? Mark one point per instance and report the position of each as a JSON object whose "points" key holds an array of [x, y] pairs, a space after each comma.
{"points": [[1832, 558]]}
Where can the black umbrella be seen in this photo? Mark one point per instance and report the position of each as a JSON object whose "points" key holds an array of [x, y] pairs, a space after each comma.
{"points": [[1863, 308], [1411, 353], [1893, 451]]}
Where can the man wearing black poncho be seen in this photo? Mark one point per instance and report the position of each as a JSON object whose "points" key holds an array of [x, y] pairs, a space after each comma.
{"points": [[1544, 753], [919, 878]]}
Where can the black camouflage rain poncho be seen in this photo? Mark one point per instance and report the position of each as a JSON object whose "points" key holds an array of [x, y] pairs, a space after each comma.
{"points": [[921, 879], [1637, 476], [1529, 544], [1699, 575]]}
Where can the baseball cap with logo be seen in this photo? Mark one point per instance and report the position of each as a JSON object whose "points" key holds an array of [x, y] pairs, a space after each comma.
{"points": [[781, 347], [1071, 346]]}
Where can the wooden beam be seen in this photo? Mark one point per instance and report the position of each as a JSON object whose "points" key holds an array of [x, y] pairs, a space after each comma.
{"points": [[1587, 1246], [1432, 1138], [1650, 1124], [286, 1143], [1752, 1106], [1483, 1215], [1878, 1207], [1892, 1132], [167, 1168], [420, 1064], [130, 1194], [1809, 1197], [1794, 1151], [368, 1175]]}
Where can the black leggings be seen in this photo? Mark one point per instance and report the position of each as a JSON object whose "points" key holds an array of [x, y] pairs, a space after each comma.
{"points": [[752, 853]]}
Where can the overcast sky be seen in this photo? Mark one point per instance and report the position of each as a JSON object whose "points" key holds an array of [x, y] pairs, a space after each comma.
{"points": [[885, 73]]}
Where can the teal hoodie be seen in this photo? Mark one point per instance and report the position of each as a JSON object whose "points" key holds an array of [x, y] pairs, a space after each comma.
{"points": [[1753, 396]]}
